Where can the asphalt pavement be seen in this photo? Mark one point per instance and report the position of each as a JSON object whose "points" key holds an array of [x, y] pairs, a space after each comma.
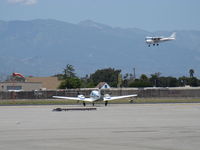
{"points": [[115, 127]]}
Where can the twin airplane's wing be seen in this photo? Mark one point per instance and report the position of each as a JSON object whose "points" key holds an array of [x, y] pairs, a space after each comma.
{"points": [[79, 98], [82, 98], [109, 98]]}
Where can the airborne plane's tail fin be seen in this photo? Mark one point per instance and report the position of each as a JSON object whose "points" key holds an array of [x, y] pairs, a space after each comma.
{"points": [[173, 35]]}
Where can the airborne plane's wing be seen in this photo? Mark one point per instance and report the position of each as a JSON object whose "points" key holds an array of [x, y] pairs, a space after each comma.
{"points": [[79, 98], [109, 98]]}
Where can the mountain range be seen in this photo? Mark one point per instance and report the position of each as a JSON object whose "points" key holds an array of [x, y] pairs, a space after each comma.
{"points": [[43, 47]]}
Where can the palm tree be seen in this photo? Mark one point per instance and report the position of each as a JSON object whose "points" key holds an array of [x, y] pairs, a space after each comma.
{"points": [[154, 78], [143, 77], [191, 72]]}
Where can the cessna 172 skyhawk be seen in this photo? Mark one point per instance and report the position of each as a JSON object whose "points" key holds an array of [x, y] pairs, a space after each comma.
{"points": [[95, 96], [157, 40]]}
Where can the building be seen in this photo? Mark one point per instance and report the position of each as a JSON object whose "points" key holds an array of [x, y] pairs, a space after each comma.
{"points": [[31, 84], [20, 86], [49, 83], [103, 85]]}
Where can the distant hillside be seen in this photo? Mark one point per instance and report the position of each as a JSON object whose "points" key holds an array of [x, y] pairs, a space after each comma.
{"points": [[45, 47]]}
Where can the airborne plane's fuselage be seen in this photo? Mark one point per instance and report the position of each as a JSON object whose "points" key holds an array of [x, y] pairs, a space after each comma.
{"points": [[157, 40]]}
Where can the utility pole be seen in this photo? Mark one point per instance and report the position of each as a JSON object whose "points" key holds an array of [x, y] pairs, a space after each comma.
{"points": [[134, 76], [119, 84]]}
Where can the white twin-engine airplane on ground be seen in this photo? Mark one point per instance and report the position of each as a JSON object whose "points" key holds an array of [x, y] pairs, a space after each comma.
{"points": [[157, 40], [95, 96]]}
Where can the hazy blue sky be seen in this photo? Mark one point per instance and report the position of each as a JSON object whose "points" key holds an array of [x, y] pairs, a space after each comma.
{"points": [[149, 15]]}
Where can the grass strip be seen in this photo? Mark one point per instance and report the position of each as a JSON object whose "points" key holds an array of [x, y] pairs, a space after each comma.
{"points": [[121, 101]]}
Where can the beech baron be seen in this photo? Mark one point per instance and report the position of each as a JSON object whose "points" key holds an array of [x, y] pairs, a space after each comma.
{"points": [[95, 96]]}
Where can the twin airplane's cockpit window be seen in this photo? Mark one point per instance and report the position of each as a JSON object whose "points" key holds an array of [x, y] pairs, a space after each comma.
{"points": [[95, 94]]}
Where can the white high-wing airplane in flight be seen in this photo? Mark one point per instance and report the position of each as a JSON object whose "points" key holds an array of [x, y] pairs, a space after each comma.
{"points": [[157, 40], [95, 96]]}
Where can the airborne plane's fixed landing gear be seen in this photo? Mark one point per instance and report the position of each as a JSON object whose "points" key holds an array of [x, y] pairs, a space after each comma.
{"points": [[153, 45]]}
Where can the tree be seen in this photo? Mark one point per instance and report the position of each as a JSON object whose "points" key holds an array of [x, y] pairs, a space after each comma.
{"points": [[191, 72], [70, 80], [69, 71], [168, 82], [139, 83], [142, 82], [155, 79], [70, 83], [193, 82], [86, 82], [108, 75], [125, 80], [143, 77], [183, 81]]}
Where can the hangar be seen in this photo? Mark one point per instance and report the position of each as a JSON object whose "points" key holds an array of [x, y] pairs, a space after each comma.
{"points": [[20, 86]]}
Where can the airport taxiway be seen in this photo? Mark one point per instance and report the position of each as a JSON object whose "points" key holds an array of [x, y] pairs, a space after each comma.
{"points": [[116, 127]]}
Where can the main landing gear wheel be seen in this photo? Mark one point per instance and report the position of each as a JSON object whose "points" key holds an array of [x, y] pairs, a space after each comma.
{"points": [[106, 103]]}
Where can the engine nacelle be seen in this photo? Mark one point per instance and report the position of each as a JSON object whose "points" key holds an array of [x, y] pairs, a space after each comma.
{"points": [[82, 97]]}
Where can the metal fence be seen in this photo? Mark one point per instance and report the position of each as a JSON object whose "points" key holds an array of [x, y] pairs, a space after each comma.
{"points": [[142, 93]]}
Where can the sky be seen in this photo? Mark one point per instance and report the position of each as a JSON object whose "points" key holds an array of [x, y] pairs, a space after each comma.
{"points": [[149, 15]]}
